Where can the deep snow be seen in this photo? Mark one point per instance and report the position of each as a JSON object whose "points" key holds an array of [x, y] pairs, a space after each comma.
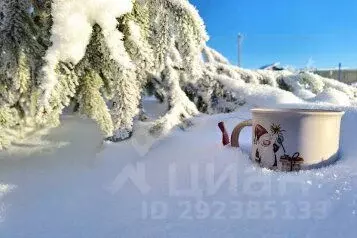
{"points": [[62, 188]]}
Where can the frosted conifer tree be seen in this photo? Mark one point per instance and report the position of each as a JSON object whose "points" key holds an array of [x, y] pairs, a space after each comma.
{"points": [[20, 56]]}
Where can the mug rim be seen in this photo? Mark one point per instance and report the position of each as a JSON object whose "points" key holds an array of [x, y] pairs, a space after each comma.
{"points": [[298, 110]]}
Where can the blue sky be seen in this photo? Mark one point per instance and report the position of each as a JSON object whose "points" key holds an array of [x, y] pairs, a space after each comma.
{"points": [[319, 33]]}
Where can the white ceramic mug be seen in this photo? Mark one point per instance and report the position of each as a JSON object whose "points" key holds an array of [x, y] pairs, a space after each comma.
{"points": [[292, 139]]}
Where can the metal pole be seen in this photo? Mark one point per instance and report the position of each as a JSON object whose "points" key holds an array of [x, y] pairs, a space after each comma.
{"points": [[339, 72], [239, 49]]}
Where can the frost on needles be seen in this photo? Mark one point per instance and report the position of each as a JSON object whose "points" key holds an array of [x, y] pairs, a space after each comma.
{"points": [[100, 56]]}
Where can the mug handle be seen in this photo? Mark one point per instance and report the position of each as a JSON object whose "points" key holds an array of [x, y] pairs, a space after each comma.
{"points": [[236, 131]]}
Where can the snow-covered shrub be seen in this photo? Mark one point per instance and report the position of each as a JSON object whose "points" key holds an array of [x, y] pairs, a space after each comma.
{"points": [[225, 87], [311, 82], [281, 81]]}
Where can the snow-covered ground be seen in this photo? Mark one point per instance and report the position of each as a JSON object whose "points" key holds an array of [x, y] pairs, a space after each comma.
{"points": [[186, 185]]}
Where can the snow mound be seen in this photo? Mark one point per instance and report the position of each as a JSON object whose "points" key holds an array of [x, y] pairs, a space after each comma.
{"points": [[78, 137], [333, 96], [237, 86], [259, 95]]}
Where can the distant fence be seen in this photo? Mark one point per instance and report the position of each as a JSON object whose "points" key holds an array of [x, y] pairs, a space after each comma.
{"points": [[347, 75]]}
